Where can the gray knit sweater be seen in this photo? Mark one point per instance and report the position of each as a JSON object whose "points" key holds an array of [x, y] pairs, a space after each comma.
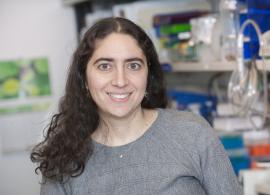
{"points": [[178, 154]]}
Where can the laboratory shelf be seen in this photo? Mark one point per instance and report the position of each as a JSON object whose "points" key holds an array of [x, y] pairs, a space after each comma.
{"points": [[214, 66]]}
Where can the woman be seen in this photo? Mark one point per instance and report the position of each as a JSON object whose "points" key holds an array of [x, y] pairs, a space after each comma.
{"points": [[112, 134]]}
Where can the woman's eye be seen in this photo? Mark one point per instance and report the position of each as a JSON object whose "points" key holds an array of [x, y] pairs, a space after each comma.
{"points": [[134, 66], [104, 67]]}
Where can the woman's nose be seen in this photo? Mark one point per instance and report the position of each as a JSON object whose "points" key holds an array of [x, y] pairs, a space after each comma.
{"points": [[120, 78]]}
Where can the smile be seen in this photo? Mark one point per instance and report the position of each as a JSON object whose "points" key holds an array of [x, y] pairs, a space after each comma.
{"points": [[119, 97]]}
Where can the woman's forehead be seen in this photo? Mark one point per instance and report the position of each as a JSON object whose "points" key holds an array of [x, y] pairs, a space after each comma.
{"points": [[118, 44]]}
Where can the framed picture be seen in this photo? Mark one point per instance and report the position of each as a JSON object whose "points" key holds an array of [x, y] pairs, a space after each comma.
{"points": [[24, 85]]}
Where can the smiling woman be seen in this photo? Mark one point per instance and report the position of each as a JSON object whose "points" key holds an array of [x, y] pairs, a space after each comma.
{"points": [[117, 76], [113, 135]]}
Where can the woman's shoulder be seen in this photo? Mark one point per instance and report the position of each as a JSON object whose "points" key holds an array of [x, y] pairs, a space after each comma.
{"points": [[179, 118], [185, 127]]}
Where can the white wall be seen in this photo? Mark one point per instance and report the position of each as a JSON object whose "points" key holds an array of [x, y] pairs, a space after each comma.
{"points": [[31, 28]]}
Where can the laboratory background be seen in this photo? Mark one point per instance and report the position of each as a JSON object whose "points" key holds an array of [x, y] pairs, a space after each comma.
{"points": [[215, 55]]}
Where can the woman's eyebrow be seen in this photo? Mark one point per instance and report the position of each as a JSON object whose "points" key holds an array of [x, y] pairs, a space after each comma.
{"points": [[103, 59], [134, 59], [126, 60]]}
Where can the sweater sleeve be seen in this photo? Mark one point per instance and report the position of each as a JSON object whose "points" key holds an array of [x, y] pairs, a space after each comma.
{"points": [[218, 175], [209, 162], [50, 188]]}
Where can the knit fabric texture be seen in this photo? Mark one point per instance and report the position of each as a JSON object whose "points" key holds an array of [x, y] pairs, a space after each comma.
{"points": [[179, 154]]}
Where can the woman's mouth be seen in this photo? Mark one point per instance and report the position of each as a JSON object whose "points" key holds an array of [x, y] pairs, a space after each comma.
{"points": [[119, 97]]}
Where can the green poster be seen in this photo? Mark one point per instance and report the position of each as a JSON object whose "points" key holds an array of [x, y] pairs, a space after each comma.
{"points": [[24, 79]]}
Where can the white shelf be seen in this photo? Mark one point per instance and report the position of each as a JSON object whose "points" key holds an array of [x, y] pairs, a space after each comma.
{"points": [[72, 2], [216, 66]]}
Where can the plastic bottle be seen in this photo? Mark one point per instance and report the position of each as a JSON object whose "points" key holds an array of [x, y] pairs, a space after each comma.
{"points": [[229, 21]]}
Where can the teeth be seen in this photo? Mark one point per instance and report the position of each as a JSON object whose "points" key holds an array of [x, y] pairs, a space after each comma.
{"points": [[119, 96]]}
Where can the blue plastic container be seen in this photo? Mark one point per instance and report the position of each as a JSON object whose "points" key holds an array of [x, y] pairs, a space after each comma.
{"points": [[206, 102], [262, 18], [259, 4], [232, 141], [241, 162]]}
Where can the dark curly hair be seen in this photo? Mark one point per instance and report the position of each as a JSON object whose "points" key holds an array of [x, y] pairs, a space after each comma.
{"points": [[67, 144]]}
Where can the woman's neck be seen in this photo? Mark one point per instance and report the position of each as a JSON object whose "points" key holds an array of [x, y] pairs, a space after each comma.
{"points": [[120, 131]]}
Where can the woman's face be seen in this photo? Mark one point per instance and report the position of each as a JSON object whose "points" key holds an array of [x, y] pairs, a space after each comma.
{"points": [[117, 75]]}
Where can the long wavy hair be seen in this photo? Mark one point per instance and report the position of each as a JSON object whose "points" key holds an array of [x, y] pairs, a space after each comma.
{"points": [[67, 144]]}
